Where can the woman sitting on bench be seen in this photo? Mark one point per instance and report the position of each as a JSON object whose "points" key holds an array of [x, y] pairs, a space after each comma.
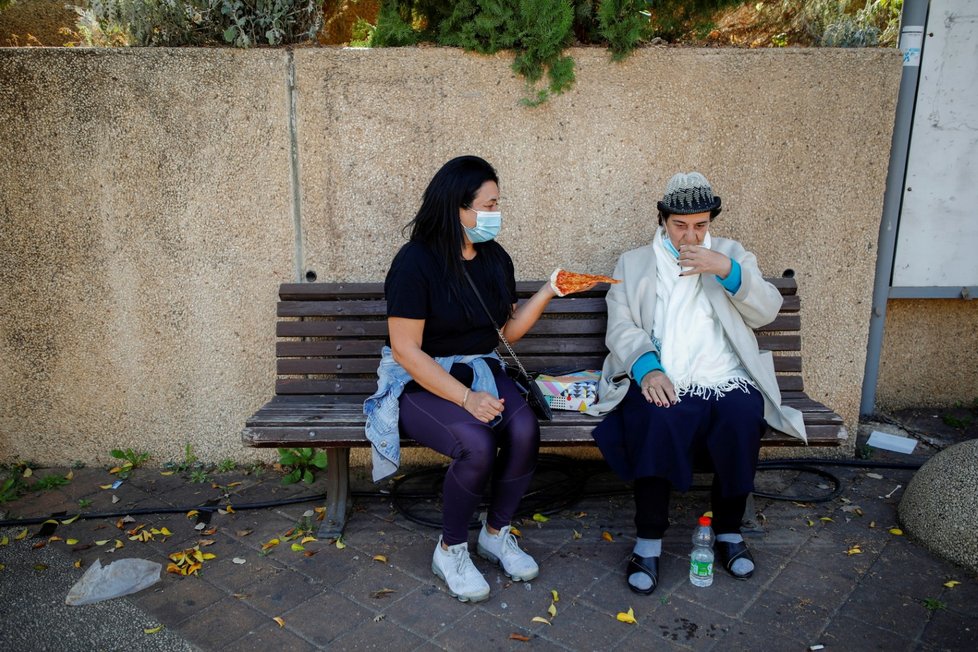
{"points": [[679, 326], [441, 379]]}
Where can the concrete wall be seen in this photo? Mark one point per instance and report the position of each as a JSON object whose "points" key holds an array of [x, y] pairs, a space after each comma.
{"points": [[929, 356], [148, 213]]}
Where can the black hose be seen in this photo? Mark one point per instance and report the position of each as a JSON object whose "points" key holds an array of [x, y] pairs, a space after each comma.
{"points": [[575, 485]]}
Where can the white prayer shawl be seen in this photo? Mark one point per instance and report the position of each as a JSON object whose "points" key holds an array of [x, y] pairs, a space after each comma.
{"points": [[692, 347]]}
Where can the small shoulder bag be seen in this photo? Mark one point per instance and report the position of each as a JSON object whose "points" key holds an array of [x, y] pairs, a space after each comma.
{"points": [[523, 380]]}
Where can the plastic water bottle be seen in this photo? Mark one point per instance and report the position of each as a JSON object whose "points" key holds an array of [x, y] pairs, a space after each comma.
{"points": [[701, 558]]}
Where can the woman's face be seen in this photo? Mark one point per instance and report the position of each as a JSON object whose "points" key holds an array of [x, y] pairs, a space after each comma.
{"points": [[687, 229], [486, 199]]}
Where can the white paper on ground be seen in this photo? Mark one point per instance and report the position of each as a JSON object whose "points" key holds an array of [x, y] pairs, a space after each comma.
{"points": [[893, 443]]}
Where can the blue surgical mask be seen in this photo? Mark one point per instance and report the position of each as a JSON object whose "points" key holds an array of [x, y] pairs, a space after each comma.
{"points": [[487, 224]]}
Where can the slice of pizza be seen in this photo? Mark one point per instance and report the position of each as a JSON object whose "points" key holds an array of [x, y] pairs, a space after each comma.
{"points": [[564, 282]]}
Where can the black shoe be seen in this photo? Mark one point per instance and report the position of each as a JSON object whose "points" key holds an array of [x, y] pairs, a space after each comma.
{"points": [[645, 565], [727, 553]]}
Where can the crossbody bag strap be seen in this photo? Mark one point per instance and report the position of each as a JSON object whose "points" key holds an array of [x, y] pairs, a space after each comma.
{"points": [[502, 338]]}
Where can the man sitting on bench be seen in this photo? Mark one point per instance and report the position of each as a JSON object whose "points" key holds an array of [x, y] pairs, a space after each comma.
{"points": [[679, 326]]}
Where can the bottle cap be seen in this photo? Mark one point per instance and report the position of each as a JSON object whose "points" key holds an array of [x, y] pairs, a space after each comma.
{"points": [[705, 520]]}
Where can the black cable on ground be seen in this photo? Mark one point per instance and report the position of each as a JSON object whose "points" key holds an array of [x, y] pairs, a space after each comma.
{"points": [[570, 489]]}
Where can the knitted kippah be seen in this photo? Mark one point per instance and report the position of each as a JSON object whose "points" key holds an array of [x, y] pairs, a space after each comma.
{"points": [[689, 193]]}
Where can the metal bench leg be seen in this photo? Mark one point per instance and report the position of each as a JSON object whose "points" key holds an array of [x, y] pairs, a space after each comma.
{"points": [[337, 493]]}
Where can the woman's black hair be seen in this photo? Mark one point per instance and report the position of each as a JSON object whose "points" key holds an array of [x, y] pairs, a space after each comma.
{"points": [[437, 226]]}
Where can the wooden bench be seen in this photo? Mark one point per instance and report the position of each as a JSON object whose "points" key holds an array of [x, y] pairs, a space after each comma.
{"points": [[329, 341]]}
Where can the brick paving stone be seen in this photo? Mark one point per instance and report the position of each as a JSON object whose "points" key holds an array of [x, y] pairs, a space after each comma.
{"points": [[747, 637], [426, 611], [899, 613], [684, 623], [270, 637], [175, 599], [379, 635], [277, 593], [479, 630], [218, 624], [809, 580], [376, 576], [952, 631], [232, 578], [853, 633], [325, 616], [788, 615], [726, 595]]}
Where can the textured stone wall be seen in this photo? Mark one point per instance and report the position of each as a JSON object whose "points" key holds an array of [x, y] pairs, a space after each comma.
{"points": [[148, 210], [929, 356]]}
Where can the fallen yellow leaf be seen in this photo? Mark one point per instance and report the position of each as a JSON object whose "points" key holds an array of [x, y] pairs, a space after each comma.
{"points": [[855, 550], [192, 513], [101, 542], [896, 531], [23, 533], [872, 524], [271, 543], [70, 475], [279, 620], [708, 514], [553, 592], [298, 547], [576, 535], [627, 617], [826, 519], [306, 540], [71, 520], [77, 563], [540, 619], [951, 584], [4, 541], [339, 543], [71, 542], [515, 532], [810, 522], [552, 611], [28, 472], [540, 518], [50, 521], [105, 486], [381, 558], [54, 538], [153, 630], [118, 544], [115, 469], [607, 536], [166, 472]]}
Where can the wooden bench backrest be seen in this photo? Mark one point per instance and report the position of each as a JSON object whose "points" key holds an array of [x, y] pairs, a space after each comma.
{"points": [[330, 337]]}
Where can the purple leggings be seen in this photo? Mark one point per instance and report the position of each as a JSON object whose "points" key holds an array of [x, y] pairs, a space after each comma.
{"points": [[449, 429]]}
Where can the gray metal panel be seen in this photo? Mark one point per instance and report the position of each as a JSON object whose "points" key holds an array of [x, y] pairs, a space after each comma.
{"points": [[938, 234], [933, 292]]}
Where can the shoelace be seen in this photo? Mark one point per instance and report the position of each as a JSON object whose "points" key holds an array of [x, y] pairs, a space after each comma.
{"points": [[463, 563], [510, 544]]}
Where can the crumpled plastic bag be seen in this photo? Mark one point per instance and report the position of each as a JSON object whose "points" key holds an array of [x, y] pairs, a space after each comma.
{"points": [[121, 577]]}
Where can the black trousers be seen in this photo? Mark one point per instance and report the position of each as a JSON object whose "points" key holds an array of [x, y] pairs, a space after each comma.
{"points": [[652, 508]]}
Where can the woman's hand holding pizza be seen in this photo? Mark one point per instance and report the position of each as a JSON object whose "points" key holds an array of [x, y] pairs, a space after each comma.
{"points": [[563, 282]]}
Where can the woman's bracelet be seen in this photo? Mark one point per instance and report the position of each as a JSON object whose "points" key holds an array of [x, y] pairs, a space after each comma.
{"points": [[465, 396]]}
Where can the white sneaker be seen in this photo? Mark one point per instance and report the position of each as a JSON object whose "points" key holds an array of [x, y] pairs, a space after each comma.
{"points": [[503, 549], [455, 567]]}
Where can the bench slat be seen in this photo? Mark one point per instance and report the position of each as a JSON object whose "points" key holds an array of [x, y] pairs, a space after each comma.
{"points": [[329, 291], [377, 328], [575, 360]]}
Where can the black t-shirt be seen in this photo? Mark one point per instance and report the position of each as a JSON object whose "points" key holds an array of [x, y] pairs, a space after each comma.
{"points": [[417, 288]]}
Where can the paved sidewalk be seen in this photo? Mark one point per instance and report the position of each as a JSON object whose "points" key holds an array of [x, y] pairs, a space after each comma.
{"points": [[378, 591]]}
